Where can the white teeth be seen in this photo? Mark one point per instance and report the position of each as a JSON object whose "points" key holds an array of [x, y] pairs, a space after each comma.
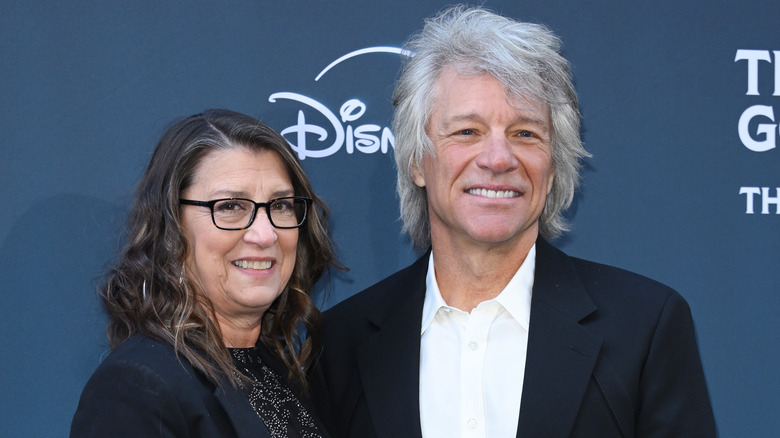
{"points": [[253, 265], [494, 193]]}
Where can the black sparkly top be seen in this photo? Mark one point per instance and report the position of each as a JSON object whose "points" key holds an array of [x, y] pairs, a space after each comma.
{"points": [[273, 400]]}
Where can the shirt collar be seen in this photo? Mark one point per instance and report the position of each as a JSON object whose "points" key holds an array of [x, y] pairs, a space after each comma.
{"points": [[515, 298]]}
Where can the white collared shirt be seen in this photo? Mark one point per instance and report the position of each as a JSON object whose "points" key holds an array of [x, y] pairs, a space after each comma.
{"points": [[472, 364]]}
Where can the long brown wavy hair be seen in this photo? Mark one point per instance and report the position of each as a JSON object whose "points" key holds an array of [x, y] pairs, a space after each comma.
{"points": [[148, 292]]}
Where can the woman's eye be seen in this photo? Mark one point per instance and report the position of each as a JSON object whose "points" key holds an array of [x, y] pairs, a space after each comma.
{"points": [[229, 207], [282, 205]]}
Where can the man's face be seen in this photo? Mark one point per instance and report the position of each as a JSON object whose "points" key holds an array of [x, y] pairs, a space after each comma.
{"points": [[492, 169]]}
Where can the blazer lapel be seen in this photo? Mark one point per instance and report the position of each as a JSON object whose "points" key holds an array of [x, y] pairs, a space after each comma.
{"points": [[389, 358], [244, 418], [561, 353]]}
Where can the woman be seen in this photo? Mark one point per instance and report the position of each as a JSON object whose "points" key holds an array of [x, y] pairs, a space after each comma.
{"points": [[210, 299]]}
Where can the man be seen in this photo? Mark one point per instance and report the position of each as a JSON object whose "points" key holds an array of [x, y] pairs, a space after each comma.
{"points": [[494, 332]]}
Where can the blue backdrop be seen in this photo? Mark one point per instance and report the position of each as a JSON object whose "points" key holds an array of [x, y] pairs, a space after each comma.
{"points": [[680, 101]]}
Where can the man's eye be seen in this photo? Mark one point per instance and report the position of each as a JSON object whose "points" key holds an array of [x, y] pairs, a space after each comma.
{"points": [[466, 132], [526, 134]]}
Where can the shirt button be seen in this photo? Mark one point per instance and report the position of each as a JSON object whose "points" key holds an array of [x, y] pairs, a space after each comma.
{"points": [[472, 423], [473, 346]]}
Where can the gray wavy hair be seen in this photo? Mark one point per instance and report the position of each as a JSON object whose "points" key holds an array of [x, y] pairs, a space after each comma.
{"points": [[526, 59]]}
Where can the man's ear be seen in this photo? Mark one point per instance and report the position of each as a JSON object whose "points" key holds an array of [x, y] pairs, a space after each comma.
{"points": [[550, 182], [418, 177]]}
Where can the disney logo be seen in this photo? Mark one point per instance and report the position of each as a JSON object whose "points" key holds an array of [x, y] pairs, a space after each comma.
{"points": [[366, 138], [360, 137]]}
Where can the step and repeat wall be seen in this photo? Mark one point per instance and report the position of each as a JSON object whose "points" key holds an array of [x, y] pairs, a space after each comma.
{"points": [[680, 103]]}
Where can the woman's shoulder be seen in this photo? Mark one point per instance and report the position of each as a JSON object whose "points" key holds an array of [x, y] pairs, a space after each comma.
{"points": [[140, 346], [143, 368], [153, 359], [140, 349], [141, 382]]}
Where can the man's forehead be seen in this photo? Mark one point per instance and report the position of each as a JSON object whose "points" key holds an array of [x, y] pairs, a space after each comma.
{"points": [[450, 81], [527, 109]]}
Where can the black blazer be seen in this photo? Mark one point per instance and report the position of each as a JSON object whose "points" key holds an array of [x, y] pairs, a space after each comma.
{"points": [[143, 390], [610, 354]]}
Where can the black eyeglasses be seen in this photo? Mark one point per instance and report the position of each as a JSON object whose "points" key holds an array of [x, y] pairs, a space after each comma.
{"points": [[239, 213]]}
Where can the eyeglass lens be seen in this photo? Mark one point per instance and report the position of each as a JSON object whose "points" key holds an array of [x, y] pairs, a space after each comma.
{"points": [[237, 213]]}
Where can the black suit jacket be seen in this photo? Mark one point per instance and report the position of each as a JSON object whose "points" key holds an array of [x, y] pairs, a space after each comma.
{"points": [[610, 354], [143, 390]]}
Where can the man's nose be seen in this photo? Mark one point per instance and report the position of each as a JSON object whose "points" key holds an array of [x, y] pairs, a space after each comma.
{"points": [[497, 155]]}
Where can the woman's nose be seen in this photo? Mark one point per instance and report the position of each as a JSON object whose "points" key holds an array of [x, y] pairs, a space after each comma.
{"points": [[261, 232]]}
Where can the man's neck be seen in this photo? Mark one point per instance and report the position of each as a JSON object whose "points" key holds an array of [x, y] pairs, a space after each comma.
{"points": [[470, 275]]}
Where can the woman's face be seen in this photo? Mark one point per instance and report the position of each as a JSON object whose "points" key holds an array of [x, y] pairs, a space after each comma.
{"points": [[241, 272]]}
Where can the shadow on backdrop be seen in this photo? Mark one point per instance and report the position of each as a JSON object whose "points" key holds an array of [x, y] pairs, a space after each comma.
{"points": [[53, 331]]}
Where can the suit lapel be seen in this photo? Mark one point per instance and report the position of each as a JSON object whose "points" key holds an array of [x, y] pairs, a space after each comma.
{"points": [[389, 357], [244, 418], [560, 359], [561, 352]]}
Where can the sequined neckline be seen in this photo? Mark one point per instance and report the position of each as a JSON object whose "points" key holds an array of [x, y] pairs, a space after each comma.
{"points": [[272, 399]]}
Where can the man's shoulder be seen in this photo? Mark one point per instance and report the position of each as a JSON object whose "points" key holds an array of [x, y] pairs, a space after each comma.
{"points": [[621, 304], [603, 278], [604, 283], [625, 291], [594, 270], [599, 273], [386, 291]]}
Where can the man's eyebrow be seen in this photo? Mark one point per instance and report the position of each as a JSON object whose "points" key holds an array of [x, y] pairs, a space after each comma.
{"points": [[521, 118], [460, 118]]}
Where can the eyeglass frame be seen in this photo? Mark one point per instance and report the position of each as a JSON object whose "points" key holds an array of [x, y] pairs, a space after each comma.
{"points": [[210, 204]]}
